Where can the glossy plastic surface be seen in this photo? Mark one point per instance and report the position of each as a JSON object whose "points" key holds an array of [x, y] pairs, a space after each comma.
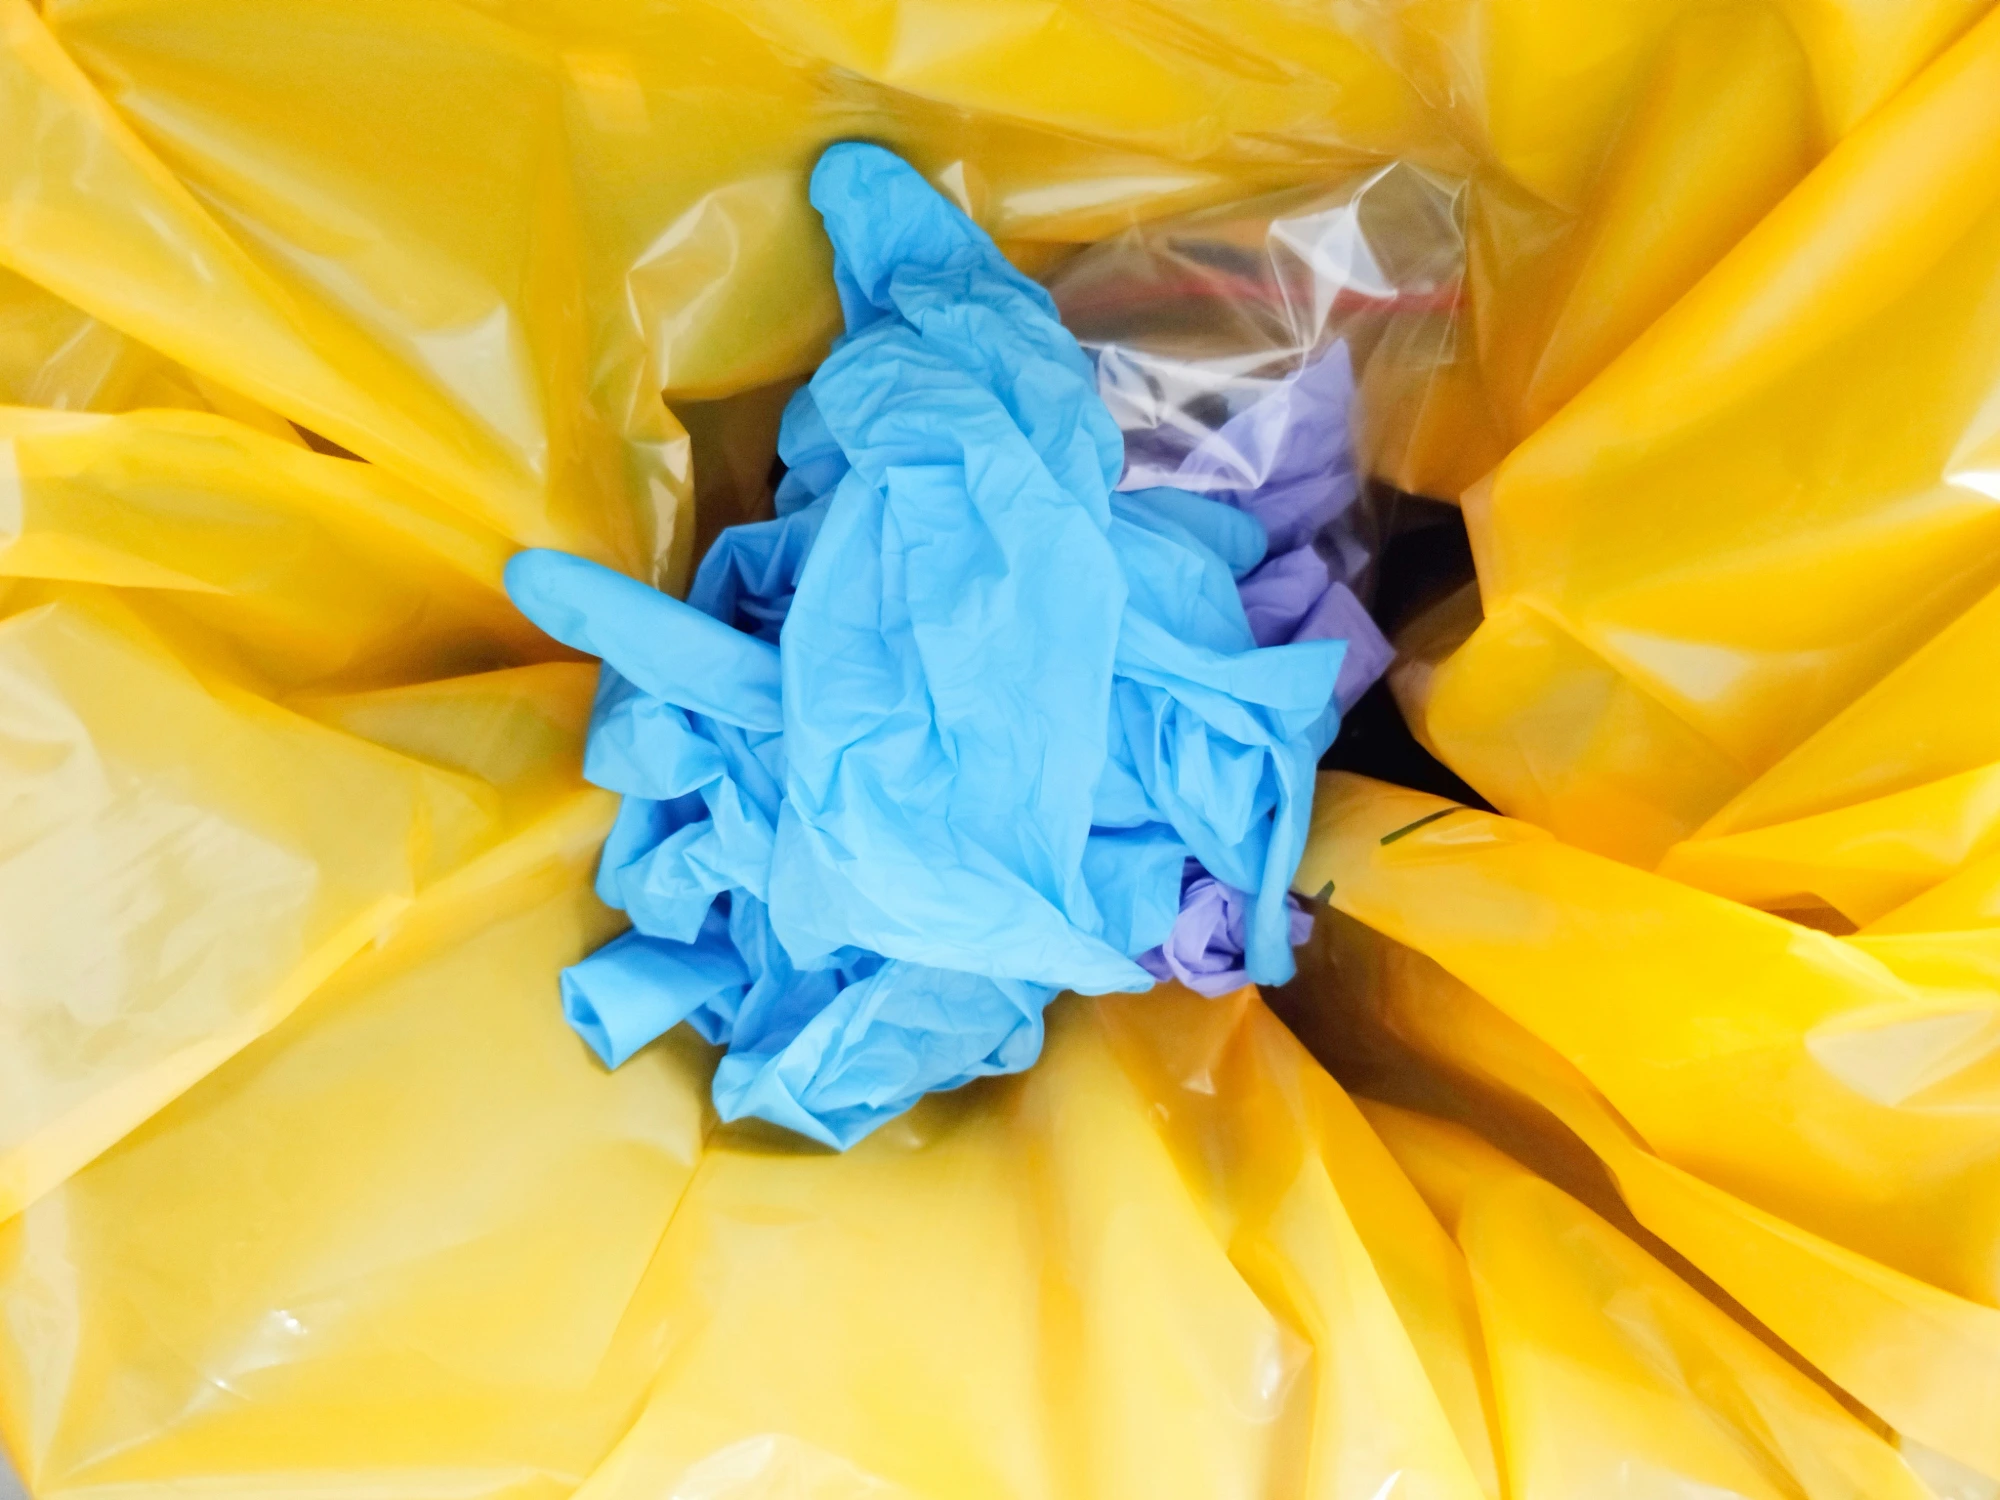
{"points": [[595, 202], [1779, 499], [1610, 1375], [1808, 1119]]}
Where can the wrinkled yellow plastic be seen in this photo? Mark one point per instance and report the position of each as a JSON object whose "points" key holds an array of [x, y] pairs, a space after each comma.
{"points": [[1806, 1119], [591, 203], [186, 863], [1612, 1375], [306, 1191], [454, 1254], [1774, 497], [55, 356], [1899, 793], [1149, 1240], [294, 569]]}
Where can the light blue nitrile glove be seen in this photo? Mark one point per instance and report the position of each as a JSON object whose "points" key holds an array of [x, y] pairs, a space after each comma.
{"points": [[686, 725], [953, 632]]}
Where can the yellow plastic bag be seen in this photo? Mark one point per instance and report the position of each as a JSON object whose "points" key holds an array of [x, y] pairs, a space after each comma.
{"points": [[1894, 798], [435, 1253], [187, 859], [1776, 496], [55, 356], [1187, 1267], [1810, 1125], [307, 1192], [1609, 1373]]}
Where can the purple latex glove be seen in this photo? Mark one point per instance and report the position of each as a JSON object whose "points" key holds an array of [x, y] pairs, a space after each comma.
{"points": [[1292, 597], [1281, 592], [1205, 949], [1286, 458]]}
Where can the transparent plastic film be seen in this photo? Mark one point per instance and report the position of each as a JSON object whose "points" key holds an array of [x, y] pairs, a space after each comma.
{"points": [[1274, 354], [1196, 319]]}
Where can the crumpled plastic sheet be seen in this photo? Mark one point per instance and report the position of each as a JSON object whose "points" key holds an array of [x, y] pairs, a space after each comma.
{"points": [[1773, 699], [1833, 1167], [1006, 707], [1226, 343]]}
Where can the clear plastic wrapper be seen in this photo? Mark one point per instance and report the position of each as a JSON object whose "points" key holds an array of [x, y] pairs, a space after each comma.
{"points": [[1274, 353]]}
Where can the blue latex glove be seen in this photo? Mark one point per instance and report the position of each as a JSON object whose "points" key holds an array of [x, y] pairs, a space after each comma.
{"points": [[953, 632], [751, 572], [1003, 711], [830, 1053], [686, 724]]}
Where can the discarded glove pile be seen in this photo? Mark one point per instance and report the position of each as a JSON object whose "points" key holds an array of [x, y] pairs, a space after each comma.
{"points": [[964, 726]]}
